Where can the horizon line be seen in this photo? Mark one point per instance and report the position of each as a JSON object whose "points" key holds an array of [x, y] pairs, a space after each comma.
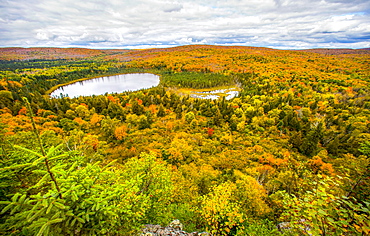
{"points": [[139, 47]]}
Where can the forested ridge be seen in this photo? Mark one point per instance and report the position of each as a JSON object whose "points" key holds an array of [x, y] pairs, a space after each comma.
{"points": [[293, 147]]}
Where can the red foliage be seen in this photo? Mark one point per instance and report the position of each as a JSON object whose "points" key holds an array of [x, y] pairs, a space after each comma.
{"points": [[22, 111], [210, 132]]}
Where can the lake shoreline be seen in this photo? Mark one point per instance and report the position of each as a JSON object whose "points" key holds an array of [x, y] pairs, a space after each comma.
{"points": [[197, 93], [129, 84], [56, 87]]}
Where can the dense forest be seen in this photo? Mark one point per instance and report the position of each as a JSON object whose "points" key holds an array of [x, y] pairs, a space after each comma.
{"points": [[292, 149]]}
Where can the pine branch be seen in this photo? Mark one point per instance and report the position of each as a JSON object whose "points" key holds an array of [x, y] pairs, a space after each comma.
{"points": [[30, 114]]}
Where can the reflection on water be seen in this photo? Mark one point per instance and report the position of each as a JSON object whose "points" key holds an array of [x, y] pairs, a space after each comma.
{"points": [[215, 94], [231, 95], [109, 84]]}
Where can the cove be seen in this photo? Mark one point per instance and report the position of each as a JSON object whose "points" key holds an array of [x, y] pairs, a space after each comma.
{"points": [[108, 84]]}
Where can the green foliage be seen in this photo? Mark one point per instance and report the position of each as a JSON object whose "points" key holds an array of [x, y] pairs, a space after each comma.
{"points": [[152, 177], [257, 228], [6, 99], [321, 212], [95, 201], [195, 80], [188, 215], [189, 117], [161, 111], [365, 148], [68, 124]]}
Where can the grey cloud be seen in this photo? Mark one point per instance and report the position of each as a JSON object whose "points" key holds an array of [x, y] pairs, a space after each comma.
{"points": [[114, 23], [173, 8]]}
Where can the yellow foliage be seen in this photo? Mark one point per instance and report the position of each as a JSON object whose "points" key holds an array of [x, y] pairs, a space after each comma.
{"points": [[251, 195], [220, 210], [180, 149], [120, 132], [95, 119]]}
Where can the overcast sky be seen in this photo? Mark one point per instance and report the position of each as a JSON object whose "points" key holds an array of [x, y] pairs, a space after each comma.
{"points": [[284, 24]]}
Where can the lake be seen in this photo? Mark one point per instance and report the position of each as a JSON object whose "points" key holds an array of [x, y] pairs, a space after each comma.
{"points": [[108, 84]]}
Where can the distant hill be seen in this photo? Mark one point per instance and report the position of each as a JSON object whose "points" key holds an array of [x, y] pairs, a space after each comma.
{"points": [[338, 51], [18, 53], [41, 53]]}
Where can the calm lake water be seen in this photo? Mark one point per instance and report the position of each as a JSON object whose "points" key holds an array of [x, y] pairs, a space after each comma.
{"points": [[109, 84], [215, 94]]}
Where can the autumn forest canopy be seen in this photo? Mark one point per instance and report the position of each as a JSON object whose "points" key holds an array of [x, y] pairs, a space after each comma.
{"points": [[291, 149]]}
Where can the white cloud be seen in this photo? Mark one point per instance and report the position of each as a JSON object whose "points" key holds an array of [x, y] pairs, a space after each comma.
{"points": [[145, 23]]}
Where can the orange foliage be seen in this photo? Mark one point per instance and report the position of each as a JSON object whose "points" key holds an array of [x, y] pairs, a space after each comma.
{"points": [[317, 165], [152, 108], [95, 119], [22, 111], [271, 160], [83, 104], [113, 99], [120, 132], [79, 120]]}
